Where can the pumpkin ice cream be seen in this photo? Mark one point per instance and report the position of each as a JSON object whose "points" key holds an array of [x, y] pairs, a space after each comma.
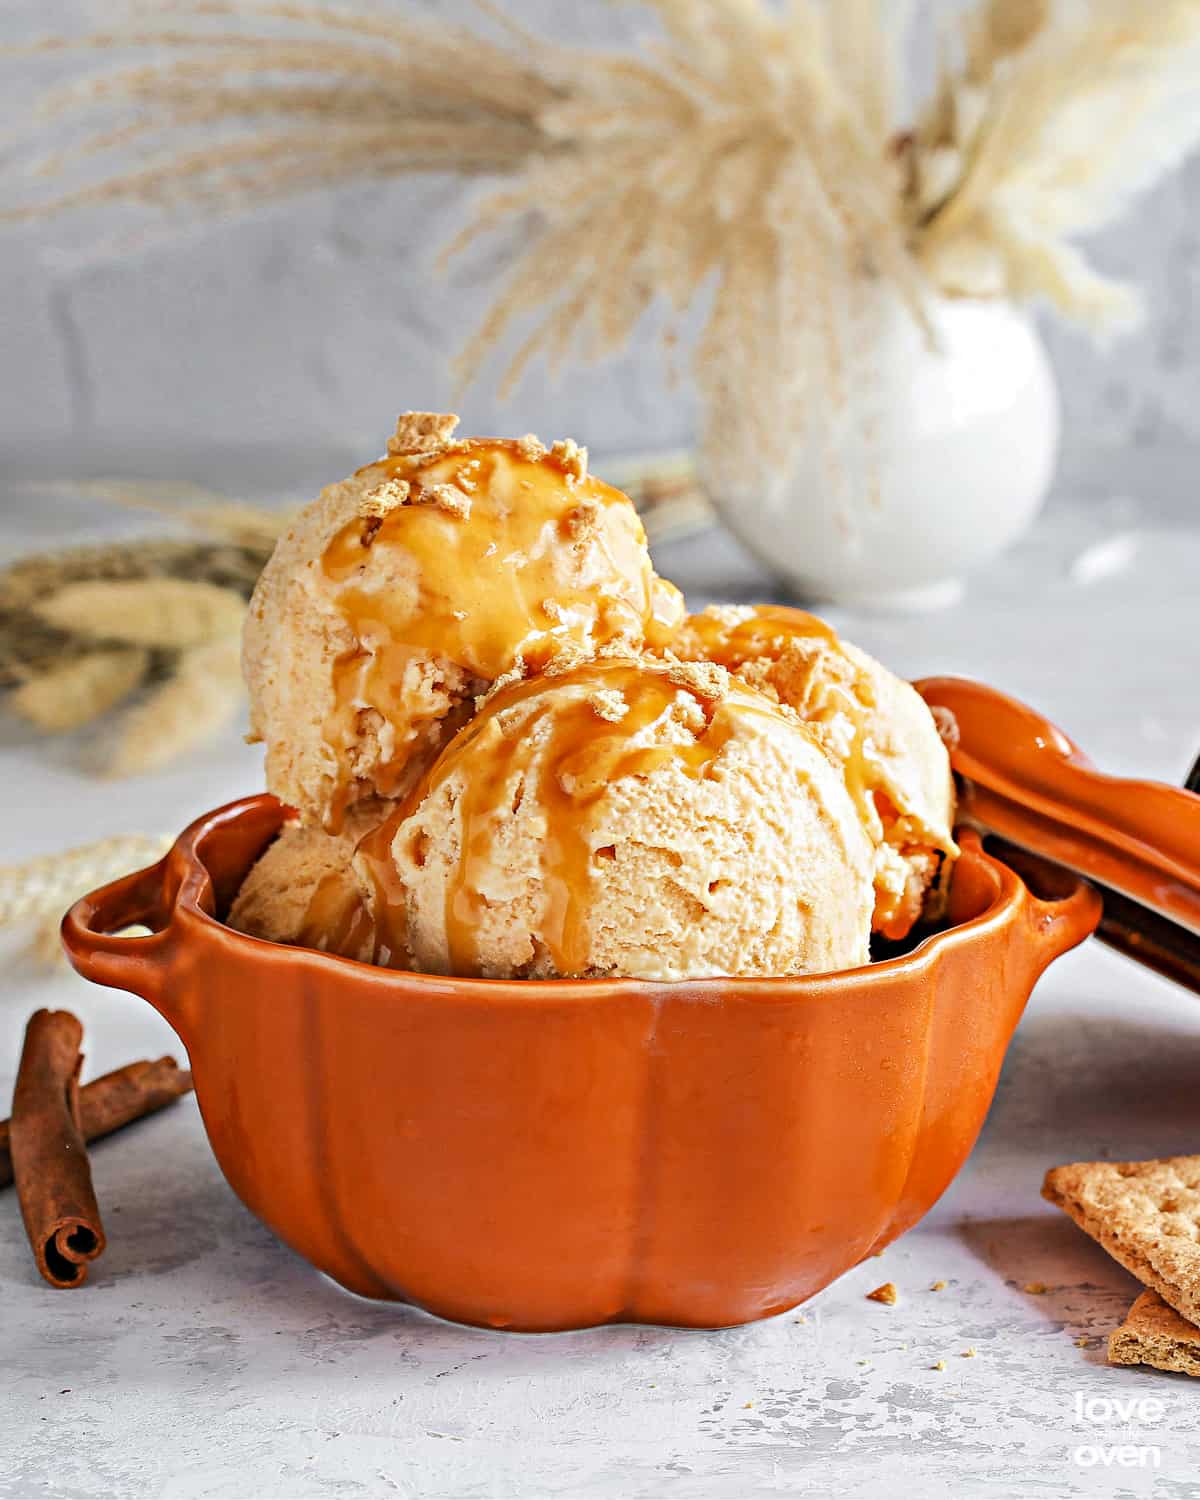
{"points": [[874, 725], [622, 817], [404, 592], [303, 889]]}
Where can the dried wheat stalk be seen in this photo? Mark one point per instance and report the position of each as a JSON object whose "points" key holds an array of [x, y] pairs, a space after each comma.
{"points": [[79, 691], [171, 613], [198, 701], [40, 890], [83, 630], [46, 885]]}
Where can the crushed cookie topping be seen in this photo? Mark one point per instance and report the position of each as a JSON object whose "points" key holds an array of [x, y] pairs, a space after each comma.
{"points": [[608, 704], [572, 458], [419, 431], [447, 497], [688, 712], [384, 499], [703, 677], [584, 521]]}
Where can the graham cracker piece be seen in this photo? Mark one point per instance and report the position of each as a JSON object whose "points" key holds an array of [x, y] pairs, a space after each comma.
{"points": [[1155, 1334], [447, 497], [1146, 1214], [383, 499], [570, 457], [418, 431]]}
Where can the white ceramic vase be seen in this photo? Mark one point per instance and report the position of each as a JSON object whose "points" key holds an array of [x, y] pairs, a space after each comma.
{"points": [[955, 450]]}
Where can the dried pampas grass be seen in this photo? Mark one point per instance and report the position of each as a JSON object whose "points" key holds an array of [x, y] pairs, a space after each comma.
{"points": [[752, 160], [735, 156], [1046, 125]]}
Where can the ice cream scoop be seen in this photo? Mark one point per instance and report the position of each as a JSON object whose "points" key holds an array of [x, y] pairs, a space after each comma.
{"points": [[402, 593], [872, 723], [621, 817], [302, 889]]}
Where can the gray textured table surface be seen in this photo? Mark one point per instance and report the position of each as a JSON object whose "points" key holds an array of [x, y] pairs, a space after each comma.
{"points": [[205, 1360]]}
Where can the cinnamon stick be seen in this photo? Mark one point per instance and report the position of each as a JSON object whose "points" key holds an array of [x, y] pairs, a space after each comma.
{"points": [[115, 1100], [50, 1164]]}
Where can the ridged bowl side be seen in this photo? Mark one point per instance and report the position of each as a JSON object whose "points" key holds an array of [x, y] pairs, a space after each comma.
{"points": [[555, 1155]]}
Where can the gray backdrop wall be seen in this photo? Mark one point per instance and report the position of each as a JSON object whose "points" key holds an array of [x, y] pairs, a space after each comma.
{"points": [[302, 330]]}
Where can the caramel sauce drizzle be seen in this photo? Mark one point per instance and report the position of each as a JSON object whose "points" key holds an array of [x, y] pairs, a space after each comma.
{"points": [[388, 909], [571, 753], [761, 635], [489, 586], [337, 919]]}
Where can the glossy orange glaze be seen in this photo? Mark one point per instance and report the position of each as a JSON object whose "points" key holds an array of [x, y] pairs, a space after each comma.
{"points": [[555, 1154], [509, 558], [1025, 779]]}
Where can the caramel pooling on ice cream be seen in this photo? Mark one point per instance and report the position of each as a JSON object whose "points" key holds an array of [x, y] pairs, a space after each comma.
{"points": [[515, 553], [510, 754], [873, 725], [401, 594], [624, 816], [592, 741]]}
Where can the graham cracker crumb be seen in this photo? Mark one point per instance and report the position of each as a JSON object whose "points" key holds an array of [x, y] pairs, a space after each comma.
{"points": [[384, 499], [609, 705], [886, 1293], [1036, 1288], [447, 497], [419, 431], [702, 677], [968, 1354], [569, 655], [938, 1286], [532, 449], [571, 458], [1082, 1343], [505, 680], [689, 713], [583, 523], [941, 1365]]}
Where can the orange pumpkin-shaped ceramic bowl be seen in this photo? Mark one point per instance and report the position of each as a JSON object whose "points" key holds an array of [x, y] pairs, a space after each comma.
{"points": [[545, 1155]]}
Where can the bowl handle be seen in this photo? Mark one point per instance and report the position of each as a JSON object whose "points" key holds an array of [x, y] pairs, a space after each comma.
{"points": [[137, 964], [1057, 924]]}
